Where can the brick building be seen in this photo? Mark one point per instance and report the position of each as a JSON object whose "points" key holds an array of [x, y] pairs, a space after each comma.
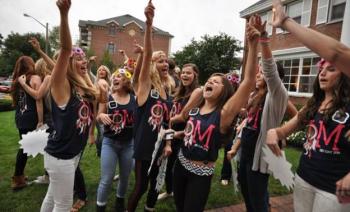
{"points": [[325, 16], [118, 33]]}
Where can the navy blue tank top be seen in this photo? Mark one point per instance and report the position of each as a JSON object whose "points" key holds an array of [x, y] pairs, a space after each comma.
{"points": [[202, 139], [326, 156], [26, 116], [175, 110], [149, 118], [123, 119], [71, 127], [250, 133]]}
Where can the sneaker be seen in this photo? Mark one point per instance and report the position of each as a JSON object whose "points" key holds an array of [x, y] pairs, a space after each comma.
{"points": [[165, 195], [224, 182], [116, 177], [42, 180]]}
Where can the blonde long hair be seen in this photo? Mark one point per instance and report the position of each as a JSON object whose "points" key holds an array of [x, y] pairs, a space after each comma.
{"points": [[107, 78], [77, 80], [41, 68], [157, 82]]}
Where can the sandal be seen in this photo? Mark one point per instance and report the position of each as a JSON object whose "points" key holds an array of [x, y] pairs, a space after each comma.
{"points": [[79, 204]]}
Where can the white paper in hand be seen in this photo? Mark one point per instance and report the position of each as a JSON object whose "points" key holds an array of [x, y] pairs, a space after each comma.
{"points": [[34, 142], [280, 168]]}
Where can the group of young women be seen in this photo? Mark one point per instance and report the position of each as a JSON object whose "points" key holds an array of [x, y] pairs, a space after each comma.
{"points": [[173, 134]]}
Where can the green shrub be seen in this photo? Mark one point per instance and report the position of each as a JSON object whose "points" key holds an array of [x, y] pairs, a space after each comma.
{"points": [[296, 139], [6, 104]]}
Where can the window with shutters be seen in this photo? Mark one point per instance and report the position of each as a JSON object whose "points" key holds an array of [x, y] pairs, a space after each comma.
{"points": [[294, 10], [336, 10], [330, 11]]}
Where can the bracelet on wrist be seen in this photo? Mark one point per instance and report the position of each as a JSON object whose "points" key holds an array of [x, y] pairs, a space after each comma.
{"points": [[283, 21], [264, 40]]}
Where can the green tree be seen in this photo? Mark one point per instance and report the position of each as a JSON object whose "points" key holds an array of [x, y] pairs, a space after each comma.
{"points": [[54, 38], [1, 41], [107, 61], [14, 46], [211, 54]]}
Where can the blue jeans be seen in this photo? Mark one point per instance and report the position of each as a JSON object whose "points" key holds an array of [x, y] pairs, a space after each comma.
{"points": [[114, 151], [253, 187]]}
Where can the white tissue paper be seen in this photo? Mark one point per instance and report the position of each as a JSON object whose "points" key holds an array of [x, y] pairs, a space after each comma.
{"points": [[279, 167], [35, 141]]}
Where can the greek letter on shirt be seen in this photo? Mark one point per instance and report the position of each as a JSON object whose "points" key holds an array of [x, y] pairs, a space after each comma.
{"points": [[314, 135], [193, 129]]}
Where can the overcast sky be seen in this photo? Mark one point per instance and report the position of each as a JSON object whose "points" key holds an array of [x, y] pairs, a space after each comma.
{"points": [[185, 19]]}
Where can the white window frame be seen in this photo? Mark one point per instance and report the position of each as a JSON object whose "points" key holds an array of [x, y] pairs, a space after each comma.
{"points": [[299, 75], [108, 49], [306, 13], [328, 8], [267, 16], [331, 4], [286, 7]]}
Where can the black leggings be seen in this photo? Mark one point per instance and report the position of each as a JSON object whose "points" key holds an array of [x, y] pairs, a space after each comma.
{"points": [[141, 184], [170, 168], [21, 158], [79, 184], [191, 191]]}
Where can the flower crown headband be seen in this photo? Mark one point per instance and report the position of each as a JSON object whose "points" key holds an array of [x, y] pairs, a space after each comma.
{"points": [[77, 51], [233, 78], [124, 72]]}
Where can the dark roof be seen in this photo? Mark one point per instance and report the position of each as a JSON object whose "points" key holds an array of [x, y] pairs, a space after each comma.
{"points": [[121, 20]]}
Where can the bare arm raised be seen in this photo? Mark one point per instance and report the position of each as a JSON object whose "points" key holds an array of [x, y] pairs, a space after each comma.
{"points": [[240, 98], [331, 50], [144, 82], [60, 87]]}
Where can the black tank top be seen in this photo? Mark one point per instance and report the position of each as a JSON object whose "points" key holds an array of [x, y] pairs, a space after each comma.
{"points": [[326, 156], [26, 116], [149, 118], [71, 127], [123, 119], [202, 139]]}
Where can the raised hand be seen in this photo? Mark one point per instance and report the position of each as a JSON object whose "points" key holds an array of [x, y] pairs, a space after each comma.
{"points": [[258, 24], [35, 44], [63, 5], [138, 49], [93, 58], [252, 33], [149, 13], [278, 14]]}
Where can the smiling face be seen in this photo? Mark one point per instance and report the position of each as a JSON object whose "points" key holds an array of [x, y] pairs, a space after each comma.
{"points": [[328, 77], [102, 73], [187, 76], [259, 80], [81, 65], [118, 82], [162, 66], [213, 88]]}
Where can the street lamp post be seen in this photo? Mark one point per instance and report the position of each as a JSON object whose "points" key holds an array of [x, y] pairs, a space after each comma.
{"points": [[46, 32]]}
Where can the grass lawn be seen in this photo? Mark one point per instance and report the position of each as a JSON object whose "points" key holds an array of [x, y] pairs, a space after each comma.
{"points": [[30, 198]]}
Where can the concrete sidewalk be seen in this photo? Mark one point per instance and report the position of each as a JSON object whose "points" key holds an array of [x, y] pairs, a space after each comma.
{"points": [[278, 204]]}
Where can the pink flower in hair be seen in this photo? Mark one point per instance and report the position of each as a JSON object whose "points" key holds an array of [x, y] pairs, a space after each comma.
{"points": [[322, 63], [233, 78], [77, 51]]}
